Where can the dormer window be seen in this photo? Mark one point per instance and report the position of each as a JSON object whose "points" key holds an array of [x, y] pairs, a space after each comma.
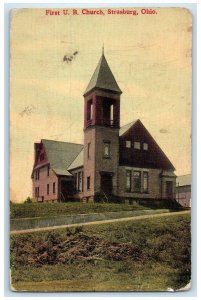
{"points": [[137, 145], [128, 144], [145, 146]]}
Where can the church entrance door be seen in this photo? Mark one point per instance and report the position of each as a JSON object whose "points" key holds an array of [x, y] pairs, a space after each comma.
{"points": [[106, 183]]}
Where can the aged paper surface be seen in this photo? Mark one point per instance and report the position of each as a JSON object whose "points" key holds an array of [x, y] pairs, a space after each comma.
{"points": [[54, 53]]}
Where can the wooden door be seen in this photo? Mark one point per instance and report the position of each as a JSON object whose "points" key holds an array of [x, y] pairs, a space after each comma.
{"points": [[106, 184]]}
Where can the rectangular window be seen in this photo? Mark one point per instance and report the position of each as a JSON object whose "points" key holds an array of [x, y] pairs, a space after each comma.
{"points": [[145, 146], [106, 149], [37, 192], [53, 187], [128, 180], [91, 111], [111, 114], [88, 150], [137, 182], [137, 145], [76, 183], [128, 144], [145, 182], [48, 170], [37, 174], [48, 189], [88, 183], [80, 181]]}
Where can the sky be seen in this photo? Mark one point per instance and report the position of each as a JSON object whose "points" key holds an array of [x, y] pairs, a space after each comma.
{"points": [[149, 55]]}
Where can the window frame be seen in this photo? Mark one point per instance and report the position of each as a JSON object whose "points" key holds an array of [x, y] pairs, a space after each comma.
{"points": [[88, 183], [128, 175], [90, 110], [135, 145], [143, 146], [147, 182], [128, 143], [135, 189], [37, 192], [88, 150], [54, 188], [107, 143], [80, 181], [37, 174]]}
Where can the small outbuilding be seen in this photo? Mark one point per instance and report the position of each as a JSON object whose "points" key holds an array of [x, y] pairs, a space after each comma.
{"points": [[183, 190]]}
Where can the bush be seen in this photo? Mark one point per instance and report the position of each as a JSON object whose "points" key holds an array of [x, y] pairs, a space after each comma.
{"points": [[28, 200]]}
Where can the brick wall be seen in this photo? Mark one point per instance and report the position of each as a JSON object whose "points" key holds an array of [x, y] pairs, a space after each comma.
{"points": [[42, 182], [89, 162], [103, 164]]}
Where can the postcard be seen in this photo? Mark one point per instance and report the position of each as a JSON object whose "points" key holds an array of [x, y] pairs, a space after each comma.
{"points": [[100, 149]]}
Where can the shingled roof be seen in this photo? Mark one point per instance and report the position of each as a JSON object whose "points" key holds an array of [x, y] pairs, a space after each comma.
{"points": [[103, 78], [78, 162], [61, 155]]}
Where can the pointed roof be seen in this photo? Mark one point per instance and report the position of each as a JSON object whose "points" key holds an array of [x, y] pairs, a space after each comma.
{"points": [[156, 158], [126, 127], [103, 78]]}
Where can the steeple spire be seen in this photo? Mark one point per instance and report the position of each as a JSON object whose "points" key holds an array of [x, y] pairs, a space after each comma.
{"points": [[103, 78]]}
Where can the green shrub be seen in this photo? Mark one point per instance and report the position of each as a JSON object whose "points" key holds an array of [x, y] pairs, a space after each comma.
{"points": [[28, 200]]}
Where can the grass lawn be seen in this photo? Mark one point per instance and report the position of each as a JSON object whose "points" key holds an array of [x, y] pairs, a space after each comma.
{"points": [[109, 276], [31, 210], [141, 255]]}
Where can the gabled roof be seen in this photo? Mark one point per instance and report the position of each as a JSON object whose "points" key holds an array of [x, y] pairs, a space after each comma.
{"points": [[126, 127], [184, 180], [155, 157], [103, 78], [78, 162], [61, 155]]}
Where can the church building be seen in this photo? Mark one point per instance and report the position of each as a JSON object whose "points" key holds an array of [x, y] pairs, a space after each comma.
{"points": [[124, 163]]}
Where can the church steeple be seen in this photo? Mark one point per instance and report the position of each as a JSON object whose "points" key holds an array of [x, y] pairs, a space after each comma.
{"points": [[101, 132], [103, 78]]}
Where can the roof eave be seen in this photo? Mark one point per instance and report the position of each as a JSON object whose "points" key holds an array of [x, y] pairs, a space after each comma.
{"points": [[87, 92]]}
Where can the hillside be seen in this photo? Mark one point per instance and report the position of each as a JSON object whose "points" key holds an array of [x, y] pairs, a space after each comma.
{"points": [[30, 210], [151, 254]]}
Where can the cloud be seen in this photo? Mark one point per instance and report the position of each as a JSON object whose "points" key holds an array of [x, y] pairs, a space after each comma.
{"points": [[163, 130]]}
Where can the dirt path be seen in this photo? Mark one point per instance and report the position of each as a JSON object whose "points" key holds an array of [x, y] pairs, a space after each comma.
{"points": [[102, 222]]}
